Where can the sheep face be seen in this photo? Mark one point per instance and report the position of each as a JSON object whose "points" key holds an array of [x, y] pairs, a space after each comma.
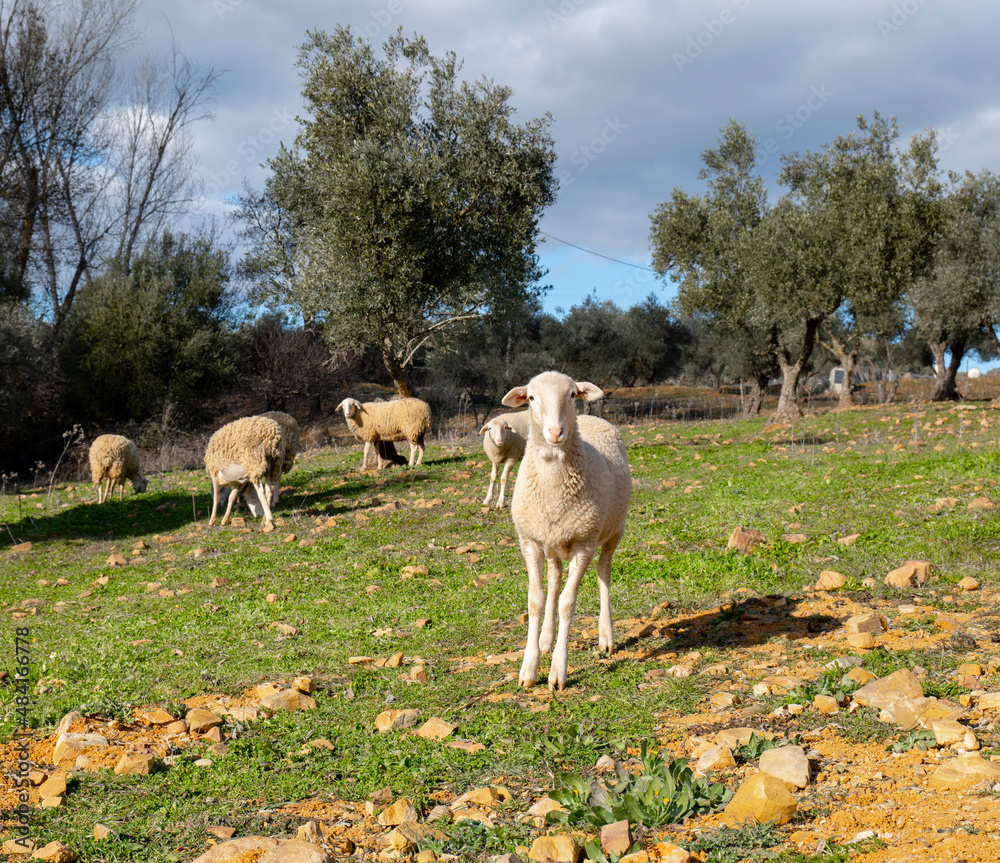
{"points": [[497, 429], [349, 407], [550, 398], [139, 484]]}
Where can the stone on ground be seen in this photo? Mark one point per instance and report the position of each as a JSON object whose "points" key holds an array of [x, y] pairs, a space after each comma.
{"points": [[787, 763], [262, 849], [401, 812], [830, 580], [964, 771], [394, 720], [55, 852], [616, 838], [761, 799], [562, 848]]}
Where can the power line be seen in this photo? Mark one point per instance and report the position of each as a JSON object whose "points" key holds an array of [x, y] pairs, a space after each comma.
{"points": [[597, 254]]}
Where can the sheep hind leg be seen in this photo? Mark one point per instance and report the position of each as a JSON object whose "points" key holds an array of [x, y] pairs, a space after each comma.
{"points": [[235, 492], [553, 589], [533, 558], [605, 627], [261, 487], [578, 564]]}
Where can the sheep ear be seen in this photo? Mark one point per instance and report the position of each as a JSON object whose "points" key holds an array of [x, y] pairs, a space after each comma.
{"points": [[516, 397], [588, 391], [484, 429]]}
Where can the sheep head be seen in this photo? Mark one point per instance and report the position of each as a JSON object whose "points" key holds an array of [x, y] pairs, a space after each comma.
{"points": [[550, 397], [349, 407], [496, 428]]}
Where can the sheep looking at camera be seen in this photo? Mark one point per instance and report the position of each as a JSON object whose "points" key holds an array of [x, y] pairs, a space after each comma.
{"points": [[246, 452], [504, 438], [571, 497], [401, 419], [114, 459], [290, 436]]}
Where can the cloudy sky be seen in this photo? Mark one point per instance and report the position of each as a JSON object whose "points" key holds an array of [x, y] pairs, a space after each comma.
{"points": [[637, 91]]}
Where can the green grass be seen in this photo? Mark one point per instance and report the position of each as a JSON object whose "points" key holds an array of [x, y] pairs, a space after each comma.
{"points": [[111, 647]]}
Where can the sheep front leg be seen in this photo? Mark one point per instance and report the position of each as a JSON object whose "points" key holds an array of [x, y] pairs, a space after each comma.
{"points": [[493, 482], [554, 587], [605, 627], [533, 558], [578, 564], [507, 465]]}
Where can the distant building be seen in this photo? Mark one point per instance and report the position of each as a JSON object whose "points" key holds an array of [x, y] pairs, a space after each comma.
{"points": [[837, 380]]}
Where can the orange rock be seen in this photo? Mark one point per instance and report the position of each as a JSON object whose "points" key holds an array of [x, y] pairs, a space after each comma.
{"points": [[761, 799]]}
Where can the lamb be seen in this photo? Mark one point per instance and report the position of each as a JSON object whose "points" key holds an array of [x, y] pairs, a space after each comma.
{"points": [[401, 419], [246, 452], [505, 437], [114, 459], [571, 496], [290, 438]]}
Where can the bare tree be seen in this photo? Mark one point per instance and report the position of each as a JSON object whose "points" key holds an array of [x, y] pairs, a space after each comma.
{"points": [[92, 162]]}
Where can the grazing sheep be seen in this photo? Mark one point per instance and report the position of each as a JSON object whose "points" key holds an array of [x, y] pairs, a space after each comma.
{"points": [[114, 459], [400, 419], [246, 452], [504, 439], [571, 496], [290, 438]]}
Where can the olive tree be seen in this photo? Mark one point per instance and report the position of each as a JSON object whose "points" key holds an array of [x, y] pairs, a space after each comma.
{"points": [[409, 201], [956, 307]]}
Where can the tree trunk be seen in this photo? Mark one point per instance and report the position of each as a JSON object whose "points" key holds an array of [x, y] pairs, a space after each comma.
{"points": [[847, 362], [788, 409], [395, 370], [945, 389], [755, 399]]}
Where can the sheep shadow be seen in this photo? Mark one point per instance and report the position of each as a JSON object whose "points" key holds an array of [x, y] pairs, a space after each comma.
{"points": [[162, 512], [743, 623]]}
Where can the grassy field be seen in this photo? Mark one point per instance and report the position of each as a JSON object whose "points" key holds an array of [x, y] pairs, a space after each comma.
{"points": [[212, 611]]}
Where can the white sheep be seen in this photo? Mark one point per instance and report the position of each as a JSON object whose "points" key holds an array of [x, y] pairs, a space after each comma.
{"points": [[290, 436], [401, 419], [504, 439], [114, 459], [248, 451], [571, 496]]}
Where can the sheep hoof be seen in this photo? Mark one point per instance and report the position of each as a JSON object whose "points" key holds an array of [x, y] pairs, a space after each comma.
{"points": [[527, 683], [555, 684]]}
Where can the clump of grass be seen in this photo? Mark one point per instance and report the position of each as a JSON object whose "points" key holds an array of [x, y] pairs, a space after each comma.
{"points": [[663, 792]]}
